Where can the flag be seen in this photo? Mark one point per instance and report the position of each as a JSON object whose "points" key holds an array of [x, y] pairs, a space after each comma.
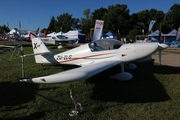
{"points": [[19, 24], [151, 24], [37, 31], [98, 29]]}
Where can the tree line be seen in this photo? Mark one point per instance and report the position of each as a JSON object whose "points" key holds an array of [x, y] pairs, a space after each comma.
{"points": [[117, 18]]}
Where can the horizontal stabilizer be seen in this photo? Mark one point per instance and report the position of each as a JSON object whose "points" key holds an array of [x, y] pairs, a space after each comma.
{"points": [[42, 53]]}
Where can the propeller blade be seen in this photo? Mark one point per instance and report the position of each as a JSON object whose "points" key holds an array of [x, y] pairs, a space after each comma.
{"points": [[160, 37], [160, 48]]}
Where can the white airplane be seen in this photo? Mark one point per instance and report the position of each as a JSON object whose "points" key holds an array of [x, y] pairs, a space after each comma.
{"points": [[93, 58], [59, 40], [63, 39], [45, 40]]}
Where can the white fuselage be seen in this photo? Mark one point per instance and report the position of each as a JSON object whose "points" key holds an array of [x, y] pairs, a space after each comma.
{"points": [[82, 55]]}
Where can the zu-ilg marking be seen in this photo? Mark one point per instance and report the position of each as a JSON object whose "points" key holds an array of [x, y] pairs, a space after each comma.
{"points": [[65, 57]]}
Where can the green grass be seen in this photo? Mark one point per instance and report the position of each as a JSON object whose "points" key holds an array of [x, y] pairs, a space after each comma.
{"points": [[153, 93]]}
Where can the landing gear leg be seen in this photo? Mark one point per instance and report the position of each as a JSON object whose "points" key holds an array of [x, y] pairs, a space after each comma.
{"points": [[78, 106]]}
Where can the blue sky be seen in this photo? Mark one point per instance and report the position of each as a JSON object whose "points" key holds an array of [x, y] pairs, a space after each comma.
{"points": [[37, 13]]}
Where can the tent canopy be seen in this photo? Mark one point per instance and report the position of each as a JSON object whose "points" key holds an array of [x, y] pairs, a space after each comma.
{"points": [[172, 33], [156, 33], [110, 33]]}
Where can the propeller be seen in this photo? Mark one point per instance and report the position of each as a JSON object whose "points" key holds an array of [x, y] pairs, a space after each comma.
{"points": [[160, 46]]}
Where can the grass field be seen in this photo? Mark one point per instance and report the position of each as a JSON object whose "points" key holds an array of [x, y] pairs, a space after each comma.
{"points": [[152, 94]]}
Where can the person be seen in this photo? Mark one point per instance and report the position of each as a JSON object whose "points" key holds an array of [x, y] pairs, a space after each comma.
{"points": [[145, 40], [122, 39]]}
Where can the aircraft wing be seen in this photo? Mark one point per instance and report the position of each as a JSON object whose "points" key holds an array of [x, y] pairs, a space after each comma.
{"points": [[74, 74]]}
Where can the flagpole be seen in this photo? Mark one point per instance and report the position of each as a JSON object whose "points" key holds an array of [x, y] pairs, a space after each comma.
{"points": [[19, 25]]}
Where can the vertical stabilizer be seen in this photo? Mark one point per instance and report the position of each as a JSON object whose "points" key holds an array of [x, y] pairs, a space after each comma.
{"points": [[32, 35], [42, 54]]}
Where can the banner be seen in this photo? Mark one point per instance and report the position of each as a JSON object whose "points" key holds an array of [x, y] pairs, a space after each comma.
{"points": [[178, 34], [98, 29], [151, 24]]}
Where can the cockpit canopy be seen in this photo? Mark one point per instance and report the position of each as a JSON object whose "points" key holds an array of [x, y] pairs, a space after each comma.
{"points": [[105, 44]]}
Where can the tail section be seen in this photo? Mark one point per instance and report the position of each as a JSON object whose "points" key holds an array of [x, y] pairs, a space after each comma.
{"points": [[41, 52], [32, 35], [37, 31]]}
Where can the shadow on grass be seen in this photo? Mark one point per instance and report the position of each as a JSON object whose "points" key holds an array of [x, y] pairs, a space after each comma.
{"points": [[34, 116], [143, 88], [16, 93]]}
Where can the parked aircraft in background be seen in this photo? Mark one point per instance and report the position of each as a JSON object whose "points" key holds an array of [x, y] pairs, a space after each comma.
{"points": [[62, 39], [45, 40], [59, 40]]}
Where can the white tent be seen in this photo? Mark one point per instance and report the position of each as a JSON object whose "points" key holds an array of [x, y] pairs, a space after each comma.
{"points": [[155, 36], [156, 33], [172, 33]]}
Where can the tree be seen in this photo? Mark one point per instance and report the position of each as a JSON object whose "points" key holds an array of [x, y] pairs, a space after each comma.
{"points": [[117, 18], [65, 22], [76, 25], [145, 16], [98, 14], [87, 22], [4, 29], [172, 18], [51, 27]]}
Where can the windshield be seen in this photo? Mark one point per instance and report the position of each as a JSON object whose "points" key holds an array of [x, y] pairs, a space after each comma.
{"points": [[61, 37], [105, 44]]}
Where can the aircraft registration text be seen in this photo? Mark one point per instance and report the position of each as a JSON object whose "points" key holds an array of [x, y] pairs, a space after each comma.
{"points": [[64, 57]]}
